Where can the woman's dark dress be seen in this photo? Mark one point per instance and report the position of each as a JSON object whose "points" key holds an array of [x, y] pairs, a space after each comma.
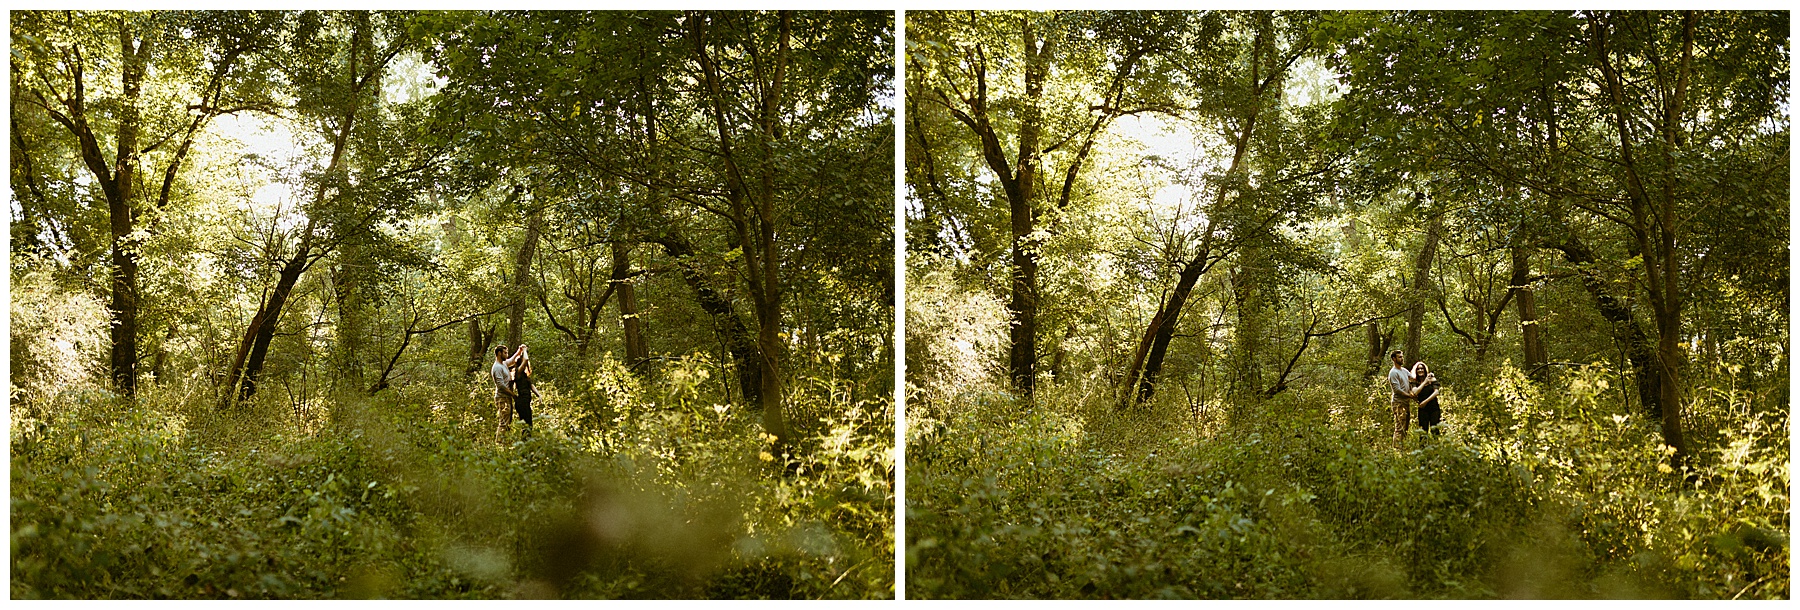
{"points": [[1429, 413], [522, 403]]}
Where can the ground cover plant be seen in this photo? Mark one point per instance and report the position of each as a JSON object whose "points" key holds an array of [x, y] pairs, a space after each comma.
{"points": [[1059, 501], [409, 497]]}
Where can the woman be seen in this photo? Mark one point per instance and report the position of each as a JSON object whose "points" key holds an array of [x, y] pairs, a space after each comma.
{"points": [[1430, 415], [522, 390]]}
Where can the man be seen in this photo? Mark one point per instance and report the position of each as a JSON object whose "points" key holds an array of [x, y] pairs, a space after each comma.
{"points": [[503, 390], [1401, 379]]}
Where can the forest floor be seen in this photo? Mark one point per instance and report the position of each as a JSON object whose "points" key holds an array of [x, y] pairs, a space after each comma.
{"points": [[1529, 493], [619, 494]]}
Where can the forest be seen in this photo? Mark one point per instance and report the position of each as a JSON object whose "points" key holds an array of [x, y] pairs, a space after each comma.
{"points": [[261, 262], [1159, 265]]}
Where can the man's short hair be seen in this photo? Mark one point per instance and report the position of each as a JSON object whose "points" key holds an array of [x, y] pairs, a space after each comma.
{"points": [[1393, 353], [499, 350]]}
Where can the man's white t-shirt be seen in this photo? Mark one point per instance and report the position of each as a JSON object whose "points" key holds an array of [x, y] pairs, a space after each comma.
{"points": [[1401, 379], [501, 376]]}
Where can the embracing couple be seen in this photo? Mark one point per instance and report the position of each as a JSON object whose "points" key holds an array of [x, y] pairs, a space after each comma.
{"points": [[512, 388], [1416, 383]]}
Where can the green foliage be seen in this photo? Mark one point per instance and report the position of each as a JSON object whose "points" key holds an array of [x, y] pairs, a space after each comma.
{"points": [[408, 496], [1571, 498], [57, 337]]}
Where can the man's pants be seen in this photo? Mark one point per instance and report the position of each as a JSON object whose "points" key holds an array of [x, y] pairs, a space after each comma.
{"points": [[503, 410], [1402, 415]]}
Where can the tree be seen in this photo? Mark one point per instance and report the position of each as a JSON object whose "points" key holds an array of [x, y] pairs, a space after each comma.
{"points": [[344, 203], [1621, 118], [1045, 83], [203, 67], [718, 136], [1270, 178]]}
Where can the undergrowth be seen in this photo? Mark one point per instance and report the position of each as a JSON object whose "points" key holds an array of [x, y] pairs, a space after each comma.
{"points": [[1533, 491], [619, 492]]}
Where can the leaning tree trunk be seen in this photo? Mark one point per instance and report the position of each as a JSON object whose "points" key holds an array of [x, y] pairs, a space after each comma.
{"points": [[247, 367], [729, 328], [1153, 346], [1638, 348], [253, 349], [1147, 362]]}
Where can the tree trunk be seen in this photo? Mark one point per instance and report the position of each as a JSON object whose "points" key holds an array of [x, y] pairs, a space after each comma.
{"points": [[1625, 329], [636, 354], [1415, 316], [1247, 337], [247, 367], [751, 197], [1147, 362], [1531, 341], [1652, 221], [726, 324], [121, 189], [1020, 189], [1379, 341], [515, 317], [478, 344], [241, 380], [350, 335]]}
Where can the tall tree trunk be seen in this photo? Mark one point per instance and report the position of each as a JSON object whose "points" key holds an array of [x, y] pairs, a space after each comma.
{"points": [[1531, 342], [636, 354], [1020, 189], [241, 380], [351, 331], [1147, 361], [1652, 221], [1247, 338], [1415, 316], [515, 316], [751, 197], [124, 302]]}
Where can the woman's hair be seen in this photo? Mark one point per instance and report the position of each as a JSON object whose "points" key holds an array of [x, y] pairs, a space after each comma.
{"points": [[1419, 368]]}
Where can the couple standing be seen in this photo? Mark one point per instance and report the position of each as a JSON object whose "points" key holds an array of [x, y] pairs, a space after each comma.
{"points": [[512, 388], [1418, 384]]}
